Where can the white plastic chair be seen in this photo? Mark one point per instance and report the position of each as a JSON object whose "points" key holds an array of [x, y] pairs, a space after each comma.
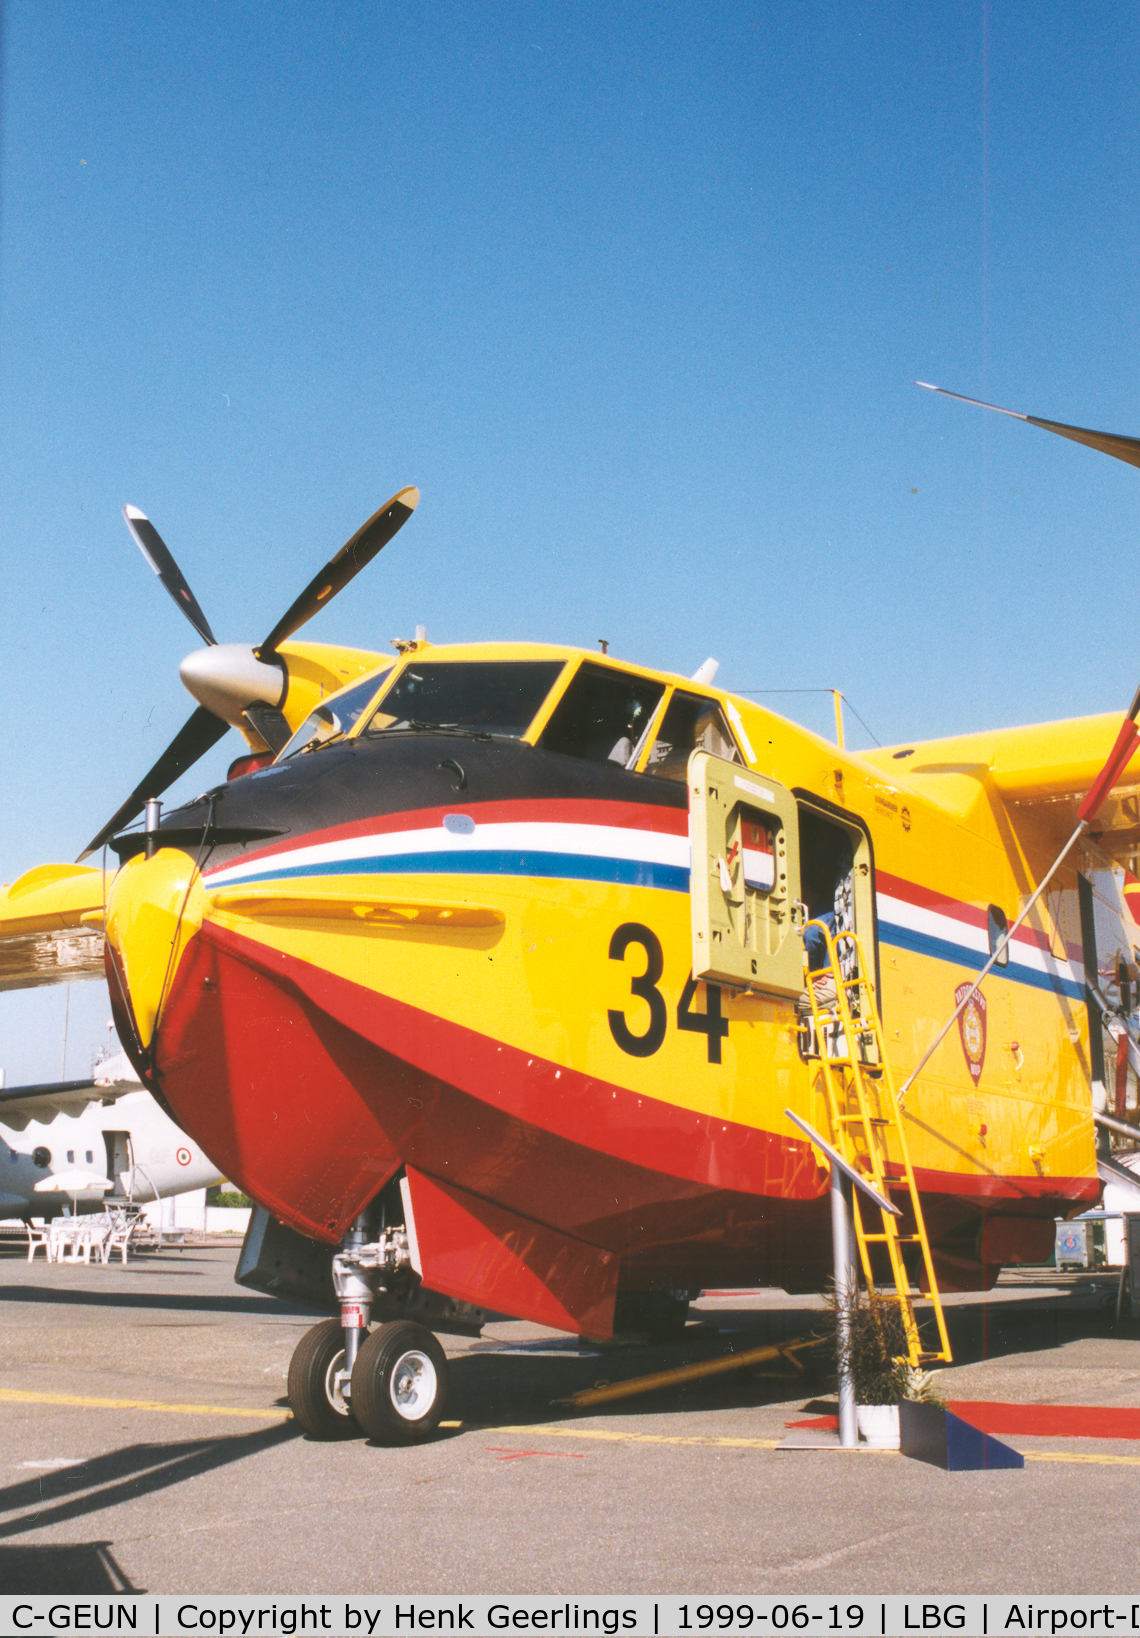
{"points": [[38, 1237], [119, 1239], [80, 1241]]}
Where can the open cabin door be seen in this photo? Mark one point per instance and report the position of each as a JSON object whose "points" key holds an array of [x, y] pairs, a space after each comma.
{"points": [[745, 878], [837, 875]]}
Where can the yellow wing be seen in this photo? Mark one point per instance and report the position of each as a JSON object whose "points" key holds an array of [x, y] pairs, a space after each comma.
{"points": [[1042, 770], [51, 926]]}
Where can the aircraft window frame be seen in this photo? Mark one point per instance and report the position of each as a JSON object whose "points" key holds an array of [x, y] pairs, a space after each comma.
{"points": [[557, 666], [552, 701], [649, 738], [648, 743], [324, 709]]}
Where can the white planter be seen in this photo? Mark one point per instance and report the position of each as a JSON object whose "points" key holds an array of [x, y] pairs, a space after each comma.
{"points": [[878, 1426]]}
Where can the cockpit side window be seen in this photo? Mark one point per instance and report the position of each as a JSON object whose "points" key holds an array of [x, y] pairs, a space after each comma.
{"points": [[691, 723], [334, 717], [602, 715]]}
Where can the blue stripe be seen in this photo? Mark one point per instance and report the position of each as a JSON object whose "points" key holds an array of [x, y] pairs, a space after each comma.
{"points": [[491, 862], [904, 938]]}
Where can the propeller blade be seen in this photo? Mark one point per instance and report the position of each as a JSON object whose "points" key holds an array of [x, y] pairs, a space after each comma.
{"points": [[1109, 443], [152, 546], [369, 539], [193, 739]]}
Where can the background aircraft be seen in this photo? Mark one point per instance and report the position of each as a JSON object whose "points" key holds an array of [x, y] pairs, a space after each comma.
{"points": [[78, 1145]]}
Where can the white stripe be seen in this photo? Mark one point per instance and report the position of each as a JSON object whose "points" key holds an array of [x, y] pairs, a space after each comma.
{"points": [[531, 836], [935, 924]]}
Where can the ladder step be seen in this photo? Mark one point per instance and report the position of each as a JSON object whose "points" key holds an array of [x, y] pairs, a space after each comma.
{"points": [[856, 1081]]}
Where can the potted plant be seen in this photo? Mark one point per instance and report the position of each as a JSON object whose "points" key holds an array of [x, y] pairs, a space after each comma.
{"points": [[873, 1349]]}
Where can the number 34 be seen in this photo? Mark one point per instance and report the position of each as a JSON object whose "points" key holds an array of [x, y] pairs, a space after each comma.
{"points": [[709, 1023]]}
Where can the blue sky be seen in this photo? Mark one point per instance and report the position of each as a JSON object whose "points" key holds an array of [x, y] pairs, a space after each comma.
{"points": [[636, 294]]}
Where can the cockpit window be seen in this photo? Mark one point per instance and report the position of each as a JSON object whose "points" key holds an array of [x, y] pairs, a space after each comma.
{"points": [[477, 696], [602, 715], [691, 723], [333, 717]]}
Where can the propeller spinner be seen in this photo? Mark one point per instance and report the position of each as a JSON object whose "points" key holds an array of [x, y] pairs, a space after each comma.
{"points": [[235, 684]]}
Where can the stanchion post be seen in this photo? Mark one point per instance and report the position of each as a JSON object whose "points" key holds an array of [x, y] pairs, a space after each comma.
{"points": [[843, 1251]]}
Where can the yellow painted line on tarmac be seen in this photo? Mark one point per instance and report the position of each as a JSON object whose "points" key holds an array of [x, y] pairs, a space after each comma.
{"points": [[1097, 1460], [21, 1396], [616, 1436]]}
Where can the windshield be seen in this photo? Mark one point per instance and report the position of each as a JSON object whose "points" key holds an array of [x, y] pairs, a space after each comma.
{"points": [[333, 717], [467, 696]]}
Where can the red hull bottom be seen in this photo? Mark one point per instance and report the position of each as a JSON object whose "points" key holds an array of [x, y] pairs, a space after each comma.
{"points": [[276, 1068]]}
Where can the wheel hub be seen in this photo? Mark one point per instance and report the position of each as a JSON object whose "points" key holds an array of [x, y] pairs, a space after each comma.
{"points": [[413, 1384]]}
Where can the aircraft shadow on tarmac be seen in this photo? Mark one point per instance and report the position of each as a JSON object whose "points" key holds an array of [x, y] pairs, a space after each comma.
{"points": [[491, 1384], [93, 1297], [87, 1567], [982, 1330], [57, 1497]]}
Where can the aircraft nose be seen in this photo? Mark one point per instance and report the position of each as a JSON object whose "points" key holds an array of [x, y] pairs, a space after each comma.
{"points": [[154, 910]]}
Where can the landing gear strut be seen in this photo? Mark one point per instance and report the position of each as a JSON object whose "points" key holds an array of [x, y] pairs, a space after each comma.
{"points": [[390, 1384]]}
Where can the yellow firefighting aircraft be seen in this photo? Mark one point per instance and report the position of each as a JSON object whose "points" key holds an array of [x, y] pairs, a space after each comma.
{"points": [[496, 973]]}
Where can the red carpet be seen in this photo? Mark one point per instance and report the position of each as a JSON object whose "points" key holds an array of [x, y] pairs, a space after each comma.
{"points": [[1050, 1421], [1047, 1421]]}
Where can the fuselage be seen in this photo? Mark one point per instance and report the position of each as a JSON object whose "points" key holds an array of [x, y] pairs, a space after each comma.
{"points": [[455, 935]]}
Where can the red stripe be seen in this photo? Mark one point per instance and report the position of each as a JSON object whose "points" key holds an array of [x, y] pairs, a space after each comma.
{"points": [[988, 1186], [557, 810], [929, 898]]}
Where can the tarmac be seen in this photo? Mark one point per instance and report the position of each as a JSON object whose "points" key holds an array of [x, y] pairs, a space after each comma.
{"points": [[147, 1446]]}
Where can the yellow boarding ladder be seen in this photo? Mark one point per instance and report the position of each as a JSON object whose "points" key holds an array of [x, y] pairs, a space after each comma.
{"points": [[866, 1128]]}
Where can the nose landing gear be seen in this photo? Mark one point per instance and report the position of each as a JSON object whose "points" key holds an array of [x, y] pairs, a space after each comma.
{"points": [[394, 1394], [390, 1384]]}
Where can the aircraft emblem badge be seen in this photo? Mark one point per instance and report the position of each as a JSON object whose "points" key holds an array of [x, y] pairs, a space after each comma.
{"points": [[972, 1029]]}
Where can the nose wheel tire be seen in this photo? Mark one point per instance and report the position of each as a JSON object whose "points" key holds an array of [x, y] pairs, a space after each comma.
{"points": [[399, 1383], [316, 1404]]}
